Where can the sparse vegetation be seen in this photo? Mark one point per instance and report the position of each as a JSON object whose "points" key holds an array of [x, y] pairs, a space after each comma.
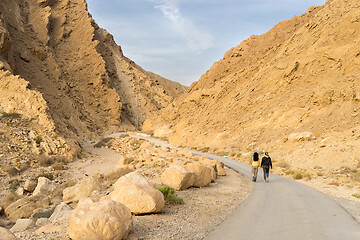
{"points": [[283, 164], [307, 176], [238, 155], [320, 174], [13, 185], [49, 176], [10, 115], [334, 183], [289, 172], [169, 194], [298, 175], [356, 176], [356, 195], [11, 171], [103, 142], [45, 161]]}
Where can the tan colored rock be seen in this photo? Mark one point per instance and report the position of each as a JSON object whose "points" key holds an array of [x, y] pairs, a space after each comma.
{"points": [[81, 190], [178, 177], [203, 174], [60, 210], [25, 207], [44, 187], [22, 225], [106, 220], [49, 228], [219, 165], [30, 185], [135, 192], [5, 234], [185, 153]]}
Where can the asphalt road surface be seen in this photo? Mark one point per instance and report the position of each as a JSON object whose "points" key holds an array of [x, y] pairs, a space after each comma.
{"points": [[284, 209]]}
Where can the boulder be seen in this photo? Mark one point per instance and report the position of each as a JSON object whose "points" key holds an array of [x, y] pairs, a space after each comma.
{"points": [[61, 210], [219, 165], [22, 225], [203, 174], [185, 153], [44, 187], [178, 177], [42, 221], [30, 185], [81, 190], [104, 220], [298, 137], [5, 234], [25, 207], [135, 192]]}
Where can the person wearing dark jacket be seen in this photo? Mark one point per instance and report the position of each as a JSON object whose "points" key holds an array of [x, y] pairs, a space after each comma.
{"points": [[266, 165]]}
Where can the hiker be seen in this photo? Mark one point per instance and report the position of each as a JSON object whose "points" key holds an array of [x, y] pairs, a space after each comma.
{"points": [[255, 166], [266, 165]]}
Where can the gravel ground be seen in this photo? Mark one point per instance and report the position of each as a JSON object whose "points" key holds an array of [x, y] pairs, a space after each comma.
{"points": [[203, 209]]}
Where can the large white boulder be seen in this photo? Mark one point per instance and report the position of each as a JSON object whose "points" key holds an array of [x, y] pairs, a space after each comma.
{"points": [[105, 220], [178, 177], [81, 190], [135, 192]]}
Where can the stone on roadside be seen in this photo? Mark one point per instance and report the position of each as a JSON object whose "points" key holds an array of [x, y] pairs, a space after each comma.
{"points": [[178, 177], [203, 174], [19, 191], [219, 165], [25, 207], [44, 187], [185, 153], [104, 220], [30, 185], [6, 234], [135, 192], [81, 190], [22, 225]]}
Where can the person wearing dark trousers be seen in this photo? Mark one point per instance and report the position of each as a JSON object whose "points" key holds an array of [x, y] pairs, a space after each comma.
{"points": [[266, 165]]}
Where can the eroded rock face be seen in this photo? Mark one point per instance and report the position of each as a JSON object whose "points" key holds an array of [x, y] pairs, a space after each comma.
{"points": [[135, 192], [81, 190], [24, 207], [106, 220], [178, 177], [203, 173]]}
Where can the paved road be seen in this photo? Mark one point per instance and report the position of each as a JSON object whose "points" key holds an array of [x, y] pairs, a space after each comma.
{"points": [[282, 210]]}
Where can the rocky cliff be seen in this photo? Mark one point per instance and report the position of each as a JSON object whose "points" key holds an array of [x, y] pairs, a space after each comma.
{"points": [[61, 71], [271, 91]]}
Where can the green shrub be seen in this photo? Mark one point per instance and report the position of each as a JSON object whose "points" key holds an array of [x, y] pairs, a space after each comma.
{"points": [[238, 155], [289, 172], [298, 176], [356, 195], [169, 194]]}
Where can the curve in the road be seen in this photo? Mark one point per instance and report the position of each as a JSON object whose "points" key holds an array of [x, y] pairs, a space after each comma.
{"points": [[284, 209]]}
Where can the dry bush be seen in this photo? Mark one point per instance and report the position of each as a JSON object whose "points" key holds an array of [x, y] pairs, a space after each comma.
{"points": [[45, 161], [356, 176], [128, 160], [11, 171], [307, 176], [320, 174], [289, 172], [10, 115], [283, 164], [103, 142], [69, 183], [334, 183], [9, 199]]}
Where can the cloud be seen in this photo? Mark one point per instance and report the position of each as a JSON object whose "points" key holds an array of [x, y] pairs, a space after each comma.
{"points": [[196, 39]]}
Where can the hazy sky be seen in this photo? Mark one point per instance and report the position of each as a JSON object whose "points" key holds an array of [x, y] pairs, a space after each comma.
{"points": [[181, 39]]}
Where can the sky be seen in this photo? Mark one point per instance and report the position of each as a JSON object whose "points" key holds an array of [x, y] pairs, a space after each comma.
{"points": [[181, 39]]}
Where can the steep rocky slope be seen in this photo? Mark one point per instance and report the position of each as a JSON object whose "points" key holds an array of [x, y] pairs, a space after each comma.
{"points": [[294, 91], [73, 80]]}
